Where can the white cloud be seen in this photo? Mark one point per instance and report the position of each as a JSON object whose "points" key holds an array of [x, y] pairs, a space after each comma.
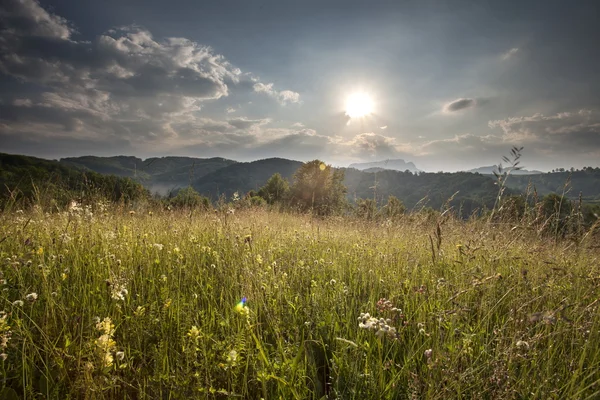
{"points": [[510, 53], [283, 97]]}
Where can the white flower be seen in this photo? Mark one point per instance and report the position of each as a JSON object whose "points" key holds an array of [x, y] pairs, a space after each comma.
{"points": [[31, 297], [158, 246], [120, 355], [18, 303], [522, 344], [428, 353]]}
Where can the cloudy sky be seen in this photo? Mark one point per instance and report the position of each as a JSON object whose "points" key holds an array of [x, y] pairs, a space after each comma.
{"points": [[453, 84]]}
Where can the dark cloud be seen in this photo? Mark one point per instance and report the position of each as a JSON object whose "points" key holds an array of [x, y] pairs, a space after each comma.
{"points": [[123, 83], [459, 104]]}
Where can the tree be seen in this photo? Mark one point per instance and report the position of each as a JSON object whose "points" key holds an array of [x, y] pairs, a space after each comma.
{"points": [[319, 188], [275, 190], [366, 208], [394, 207], [189, 198]]}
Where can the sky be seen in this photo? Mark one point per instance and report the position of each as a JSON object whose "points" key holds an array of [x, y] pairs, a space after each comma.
{"points": [[453, 84]]}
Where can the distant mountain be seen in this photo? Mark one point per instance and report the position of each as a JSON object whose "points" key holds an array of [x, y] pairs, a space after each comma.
{"points": [[159, 174], [490, 171], [393, 164]]}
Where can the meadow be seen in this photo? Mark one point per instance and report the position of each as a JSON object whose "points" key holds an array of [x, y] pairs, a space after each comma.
{"points": [[100, 302]]}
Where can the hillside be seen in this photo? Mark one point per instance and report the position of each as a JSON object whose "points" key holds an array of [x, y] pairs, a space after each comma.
{"points": [[30, 179], [435, 189], [474, 191], [159, 174], [243, 177], [586, 182]]}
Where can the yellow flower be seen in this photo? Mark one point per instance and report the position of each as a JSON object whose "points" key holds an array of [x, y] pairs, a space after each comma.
{"points": [[106, 326], [194, 333], [167, 303]]}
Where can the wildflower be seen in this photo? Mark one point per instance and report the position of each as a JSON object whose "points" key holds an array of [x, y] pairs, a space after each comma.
{"points": [[167, 303], [18, 303], [232, 357], [176, 250], [522, 344], [139, 311], [131, 212], [120, 355], [428, 353], [241, 306], [119, 291], [107, 359], [31, 297], [74, 207], [158, 246], [194, 333], [105, 342], [380, 326], [106, 326]]}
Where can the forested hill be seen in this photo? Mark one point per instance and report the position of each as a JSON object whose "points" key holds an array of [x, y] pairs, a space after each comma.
{"points": [[468, 191], [30, 180], [243, 177], [158, 173], [585, 181], [214, 177]]}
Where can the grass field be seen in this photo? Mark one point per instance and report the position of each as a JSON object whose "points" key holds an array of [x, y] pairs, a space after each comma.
{"points": [[118, 305]]}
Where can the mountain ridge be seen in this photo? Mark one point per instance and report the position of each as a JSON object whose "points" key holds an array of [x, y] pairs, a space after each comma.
{"points": [[396, 164]]}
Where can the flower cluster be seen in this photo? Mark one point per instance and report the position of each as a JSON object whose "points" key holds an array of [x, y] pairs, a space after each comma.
{"points": [[118, 288], [105, 344], [384, 305], [380, 326], [5, 334]]}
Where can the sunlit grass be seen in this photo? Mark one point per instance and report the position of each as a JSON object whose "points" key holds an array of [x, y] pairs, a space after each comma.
{"points": [[112, 304]]}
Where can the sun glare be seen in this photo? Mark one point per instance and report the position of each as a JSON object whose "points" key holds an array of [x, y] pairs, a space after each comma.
{"points": [[359, 105]]}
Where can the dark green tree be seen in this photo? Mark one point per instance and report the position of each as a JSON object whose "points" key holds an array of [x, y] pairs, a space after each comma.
{"points": [[275, 190], [394, 207], [366, 208], [319, 188], [189, 198]]}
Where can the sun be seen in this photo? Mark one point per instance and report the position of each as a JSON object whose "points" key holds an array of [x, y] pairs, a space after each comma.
{"points": [[359, 105]]}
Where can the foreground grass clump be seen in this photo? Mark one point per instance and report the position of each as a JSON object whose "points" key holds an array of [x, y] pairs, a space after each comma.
{"points": [[124, 305]]}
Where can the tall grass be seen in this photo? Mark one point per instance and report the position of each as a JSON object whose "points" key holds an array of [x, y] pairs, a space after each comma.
{"points": [[104, 303]]}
